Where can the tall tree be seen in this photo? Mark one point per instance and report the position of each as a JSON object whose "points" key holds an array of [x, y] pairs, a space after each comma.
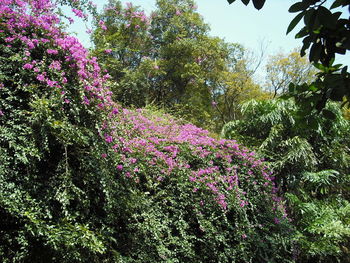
{"points": [[167, 59], [283, 69]]}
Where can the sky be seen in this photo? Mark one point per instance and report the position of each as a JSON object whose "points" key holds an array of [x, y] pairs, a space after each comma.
{"points": [[238, 23]]}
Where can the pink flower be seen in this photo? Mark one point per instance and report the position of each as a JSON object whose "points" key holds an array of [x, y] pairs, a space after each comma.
{"points": [[86, 101], [78, 13], [55, 65], [102, 25], [120, 167], [104, 155], [40, 77], [52, 51], [51, 83], [108, 138], [108, 51], [28, 66], [1, 113]]}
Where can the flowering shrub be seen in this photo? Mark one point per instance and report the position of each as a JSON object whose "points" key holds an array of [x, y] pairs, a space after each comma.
{"points": [[83, 180]]}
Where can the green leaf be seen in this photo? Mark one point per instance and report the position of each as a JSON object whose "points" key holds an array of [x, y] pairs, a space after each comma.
{"points": [[328, 114], [309, 18], [258, 4], [326, 17], [294, 22], [246, 2], [230, 1], [300, 6], [315, 52], [338, 3]]}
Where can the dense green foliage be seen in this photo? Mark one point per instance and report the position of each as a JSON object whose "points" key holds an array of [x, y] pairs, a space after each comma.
{"points": [[84, 180], [312, 166]]}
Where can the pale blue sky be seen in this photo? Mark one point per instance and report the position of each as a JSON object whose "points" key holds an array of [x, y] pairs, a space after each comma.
{"points": [[238, 23]]}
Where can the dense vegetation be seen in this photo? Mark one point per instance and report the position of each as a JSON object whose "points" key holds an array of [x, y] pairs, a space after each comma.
{"points": [[84, 180], [312, 167], [93, 168]]}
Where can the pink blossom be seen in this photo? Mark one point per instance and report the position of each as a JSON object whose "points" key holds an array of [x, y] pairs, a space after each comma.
{"points": [[78, 13], [28, 66], [40, 77], [102, 25], [108, 138]]}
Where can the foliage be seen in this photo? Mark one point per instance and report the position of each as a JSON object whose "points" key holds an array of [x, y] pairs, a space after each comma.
{"points": [[169, 60], [84, 180], [50, 167], [283, 69], [326, 33], [311, 165], [235, 86]]}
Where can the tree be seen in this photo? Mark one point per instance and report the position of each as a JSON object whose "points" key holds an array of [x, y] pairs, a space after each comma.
{"points": [[168, 59], [326, 33], [311, 167], [284, 69], [236, 86]]}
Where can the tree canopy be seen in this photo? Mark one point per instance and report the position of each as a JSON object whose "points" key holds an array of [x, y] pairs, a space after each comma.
{"points": [[325, 33]]}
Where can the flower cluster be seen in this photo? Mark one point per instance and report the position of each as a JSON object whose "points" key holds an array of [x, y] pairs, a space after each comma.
{"points": [[20, 20], [222, 167]]}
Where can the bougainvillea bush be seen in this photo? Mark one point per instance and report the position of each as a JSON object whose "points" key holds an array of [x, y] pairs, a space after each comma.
{"points": [[84, 180]]}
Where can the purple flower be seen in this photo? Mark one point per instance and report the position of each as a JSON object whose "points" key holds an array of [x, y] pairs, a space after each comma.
{"points": [[108, 138], [40, 77], [78, 13], [28, 66], [52, 51]]}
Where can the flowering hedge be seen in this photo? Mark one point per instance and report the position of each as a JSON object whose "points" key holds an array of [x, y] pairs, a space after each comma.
{"points": [[83, 180]]}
